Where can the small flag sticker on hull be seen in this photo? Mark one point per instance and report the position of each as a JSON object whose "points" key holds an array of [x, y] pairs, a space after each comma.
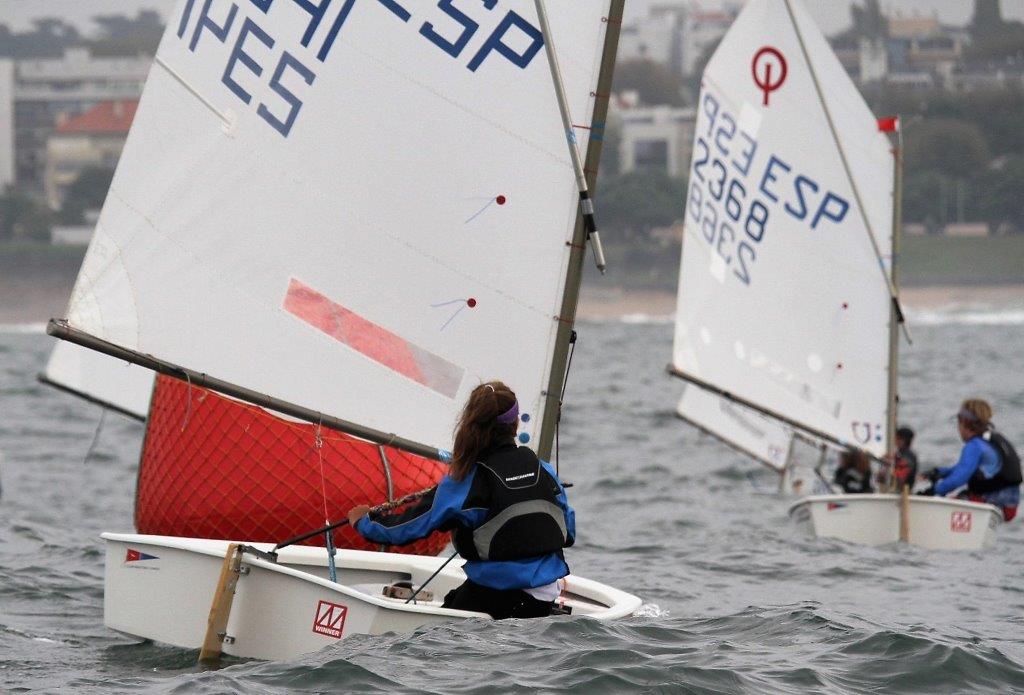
{"points": [[835, 505], [136, 555]]}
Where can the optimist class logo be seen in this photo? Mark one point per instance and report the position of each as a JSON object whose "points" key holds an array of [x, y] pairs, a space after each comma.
{"points": [[136, 555], [769, 69], [835, 505], [330, 619]]}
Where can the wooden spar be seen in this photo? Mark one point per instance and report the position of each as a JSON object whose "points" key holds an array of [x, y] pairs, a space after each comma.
{"points": [[61, 329], [897, 223], [220, 608], [732, 445], [574, 273], [795, 424], [892, 403], [905, 513], [43, 379]]}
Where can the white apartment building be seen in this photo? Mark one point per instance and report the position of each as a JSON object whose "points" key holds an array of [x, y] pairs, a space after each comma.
{"points": [[655, 138], [677, 34]]}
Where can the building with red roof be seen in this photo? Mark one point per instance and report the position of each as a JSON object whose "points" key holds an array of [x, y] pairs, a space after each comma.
{"points": [[93, 138]]}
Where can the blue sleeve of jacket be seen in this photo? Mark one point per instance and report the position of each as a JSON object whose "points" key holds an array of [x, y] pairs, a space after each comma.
{"points": [[444, 508], [958, 475], [563, 502]]}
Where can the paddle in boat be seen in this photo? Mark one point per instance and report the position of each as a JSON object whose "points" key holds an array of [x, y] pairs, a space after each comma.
{"points": [[348, 215], [788, 312]]}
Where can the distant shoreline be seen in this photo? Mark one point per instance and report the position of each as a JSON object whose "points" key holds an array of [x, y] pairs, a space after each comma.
{"points": [[33, 300]]}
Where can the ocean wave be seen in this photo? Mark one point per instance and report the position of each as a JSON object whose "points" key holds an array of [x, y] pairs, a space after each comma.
{"points": [[770, 649]]}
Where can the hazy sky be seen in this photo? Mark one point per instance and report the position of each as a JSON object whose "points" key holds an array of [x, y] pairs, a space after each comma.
{"points": [[832, 15]]}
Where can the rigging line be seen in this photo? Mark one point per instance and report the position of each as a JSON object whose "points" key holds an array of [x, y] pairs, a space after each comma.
{"points": [[561, 395], [586, 203], [318, 444], [431, 577], [95, 437], [893, 293], [222, 115]]}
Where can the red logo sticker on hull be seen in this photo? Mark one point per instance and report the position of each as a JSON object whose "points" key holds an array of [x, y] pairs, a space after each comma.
{"points": [[330, 619], [960, 522], [133, 555]]}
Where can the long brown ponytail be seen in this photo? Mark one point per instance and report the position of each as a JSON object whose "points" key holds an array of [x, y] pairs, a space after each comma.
{"points": [[478, 426]]}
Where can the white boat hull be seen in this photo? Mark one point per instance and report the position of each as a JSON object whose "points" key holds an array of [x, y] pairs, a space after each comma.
{"points": [[934, 522], [161, 588]]}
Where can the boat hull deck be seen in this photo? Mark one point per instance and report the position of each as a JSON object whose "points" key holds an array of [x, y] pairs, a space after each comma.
{"points": [[935, 522], [161, 587]]}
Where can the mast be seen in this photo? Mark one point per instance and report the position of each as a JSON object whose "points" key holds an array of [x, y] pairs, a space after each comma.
{"points": [[566, 318], [897, 222]]}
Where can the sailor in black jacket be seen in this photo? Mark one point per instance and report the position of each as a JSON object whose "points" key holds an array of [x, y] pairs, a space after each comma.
{"points": [[508, 510]]}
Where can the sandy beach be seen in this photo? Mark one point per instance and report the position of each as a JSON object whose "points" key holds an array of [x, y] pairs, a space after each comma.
{"points": [[36, 300], [596, 304]]}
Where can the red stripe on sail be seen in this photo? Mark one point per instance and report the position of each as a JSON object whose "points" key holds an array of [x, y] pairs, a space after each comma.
{"points": [[376, 342]]}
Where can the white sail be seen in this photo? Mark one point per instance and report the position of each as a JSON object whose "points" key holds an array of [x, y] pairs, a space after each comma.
{"points": [[754, 434], [97, 377], [363, 209], [783, 299]]}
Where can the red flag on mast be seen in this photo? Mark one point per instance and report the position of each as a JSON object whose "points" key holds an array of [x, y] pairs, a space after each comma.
{"points": [[890, 124]]}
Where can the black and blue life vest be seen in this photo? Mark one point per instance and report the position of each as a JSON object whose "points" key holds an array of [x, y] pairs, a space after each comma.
{"points": [[1009, 474], [524, 519]]}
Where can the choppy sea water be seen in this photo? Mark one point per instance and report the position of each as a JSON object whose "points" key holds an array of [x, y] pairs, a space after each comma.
{"points": [[736, 600]]}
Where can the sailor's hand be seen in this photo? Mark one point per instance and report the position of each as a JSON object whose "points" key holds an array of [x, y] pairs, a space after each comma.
{"points": [[932, 475], [357, 513], [930, 492]]}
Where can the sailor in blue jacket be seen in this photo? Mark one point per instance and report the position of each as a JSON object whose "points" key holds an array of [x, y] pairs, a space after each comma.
{"points": [[990, 474], [508, 510]]}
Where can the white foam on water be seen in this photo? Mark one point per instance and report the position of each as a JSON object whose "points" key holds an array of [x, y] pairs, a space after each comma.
{"points": [[646, 319], [966, 317], [650, 610], [10, 328]]}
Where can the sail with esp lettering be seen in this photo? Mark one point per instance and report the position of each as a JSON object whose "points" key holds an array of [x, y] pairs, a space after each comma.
{"points": [[785, 291], [364, 208]]}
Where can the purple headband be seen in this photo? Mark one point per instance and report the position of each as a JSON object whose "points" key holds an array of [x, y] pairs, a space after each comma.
{"points": [[965, 414], [510, 415]]}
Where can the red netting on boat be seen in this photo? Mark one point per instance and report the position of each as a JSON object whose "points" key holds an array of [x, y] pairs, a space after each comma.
{"points": [[213, 467]]}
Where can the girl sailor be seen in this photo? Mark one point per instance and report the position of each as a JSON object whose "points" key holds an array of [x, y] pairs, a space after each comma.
{"points": [[507, 508]]}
